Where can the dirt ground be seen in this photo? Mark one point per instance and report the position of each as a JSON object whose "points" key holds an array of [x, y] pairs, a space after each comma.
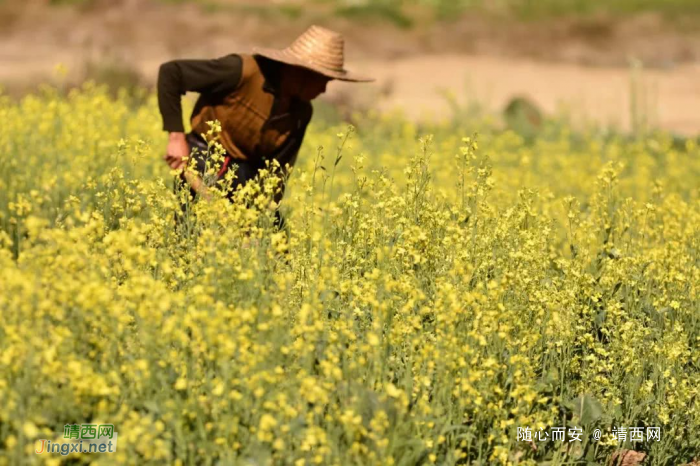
{"points": [[579, 66]]}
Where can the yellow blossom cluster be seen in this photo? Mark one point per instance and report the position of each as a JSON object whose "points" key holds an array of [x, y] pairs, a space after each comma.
{"points": [[435, 291]]}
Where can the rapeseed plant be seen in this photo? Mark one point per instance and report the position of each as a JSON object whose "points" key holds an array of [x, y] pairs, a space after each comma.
{"points": [[421, 308]]}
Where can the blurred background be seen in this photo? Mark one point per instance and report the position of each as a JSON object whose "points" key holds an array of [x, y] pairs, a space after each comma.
{"points": [[621, 63]]}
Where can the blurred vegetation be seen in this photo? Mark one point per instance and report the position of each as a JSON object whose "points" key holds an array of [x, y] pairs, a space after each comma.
{"points": [[540, 8], [118, 76], [404, 13]]}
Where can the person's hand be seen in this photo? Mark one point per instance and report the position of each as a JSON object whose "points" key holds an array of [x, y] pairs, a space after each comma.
{"points": [[177, 151]]}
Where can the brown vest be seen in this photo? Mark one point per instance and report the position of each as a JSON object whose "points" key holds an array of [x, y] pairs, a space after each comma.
{"points": [[251, 128]]}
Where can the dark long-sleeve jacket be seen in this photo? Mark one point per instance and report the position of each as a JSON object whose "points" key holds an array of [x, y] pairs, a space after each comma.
{"points": [[241, 92]]}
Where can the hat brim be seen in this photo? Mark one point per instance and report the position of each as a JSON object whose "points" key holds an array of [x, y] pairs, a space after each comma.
{"points": [[289, 59]]}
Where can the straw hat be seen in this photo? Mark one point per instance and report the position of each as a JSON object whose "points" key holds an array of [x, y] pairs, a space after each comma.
{"points": [[317, 49]]}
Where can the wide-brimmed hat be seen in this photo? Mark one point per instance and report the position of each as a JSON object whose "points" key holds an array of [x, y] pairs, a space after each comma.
{"points": [[318, 49]]}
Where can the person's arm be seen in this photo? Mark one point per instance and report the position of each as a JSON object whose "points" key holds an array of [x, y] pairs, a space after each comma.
{"points": [[175, 78]]}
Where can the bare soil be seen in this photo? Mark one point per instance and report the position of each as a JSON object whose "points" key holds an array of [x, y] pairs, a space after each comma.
{"points": [[578, 64]]}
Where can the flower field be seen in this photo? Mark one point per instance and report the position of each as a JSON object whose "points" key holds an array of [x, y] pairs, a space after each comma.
{"points": [[439, 290]]}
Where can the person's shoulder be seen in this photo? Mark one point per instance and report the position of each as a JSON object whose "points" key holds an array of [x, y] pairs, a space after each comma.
{"points": [[250, 66], [233, 58]]}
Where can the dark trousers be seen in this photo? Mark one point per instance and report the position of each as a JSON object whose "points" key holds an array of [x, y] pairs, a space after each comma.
{"points": [[245, 171]]}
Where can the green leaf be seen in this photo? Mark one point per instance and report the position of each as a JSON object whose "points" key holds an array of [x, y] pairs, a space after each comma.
{"points": [[600, 318], [586, 408], [152, 406]]}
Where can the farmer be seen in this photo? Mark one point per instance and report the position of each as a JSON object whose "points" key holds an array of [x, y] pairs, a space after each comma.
{"points": [[262, 101]]}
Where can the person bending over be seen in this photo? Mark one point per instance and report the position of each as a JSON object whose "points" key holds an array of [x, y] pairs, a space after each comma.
{"points": [[262, 101]]}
